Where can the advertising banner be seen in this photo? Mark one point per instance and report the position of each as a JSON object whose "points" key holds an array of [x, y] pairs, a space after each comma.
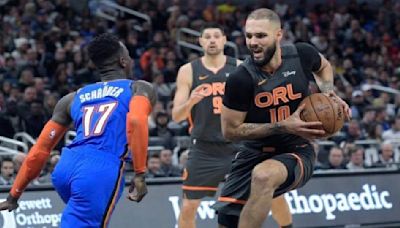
{"points": [[325, 201]]}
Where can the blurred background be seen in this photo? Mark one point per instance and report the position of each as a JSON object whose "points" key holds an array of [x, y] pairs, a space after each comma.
{"points": [[43, 57]]}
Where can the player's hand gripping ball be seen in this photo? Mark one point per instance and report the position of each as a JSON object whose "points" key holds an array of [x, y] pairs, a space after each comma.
{"points": [[320, 107]]}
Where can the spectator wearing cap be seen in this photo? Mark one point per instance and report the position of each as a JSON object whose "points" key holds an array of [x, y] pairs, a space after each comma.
{"points": [[357, 104], [394, 131], [356, 159], [162, 130]]}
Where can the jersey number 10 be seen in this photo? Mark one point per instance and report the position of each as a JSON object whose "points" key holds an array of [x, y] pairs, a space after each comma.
{"points": [[105, 111]]}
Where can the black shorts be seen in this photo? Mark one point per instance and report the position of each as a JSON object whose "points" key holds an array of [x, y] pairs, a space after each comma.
{"points": [[207, 165], [299, 161]]}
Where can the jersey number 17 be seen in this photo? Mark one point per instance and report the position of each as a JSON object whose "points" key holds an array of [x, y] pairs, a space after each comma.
{"points": [[103, 111]]}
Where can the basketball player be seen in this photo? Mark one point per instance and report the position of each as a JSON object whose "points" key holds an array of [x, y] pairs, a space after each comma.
{"points": [[107, 115], [200, 87], [276, 155]]}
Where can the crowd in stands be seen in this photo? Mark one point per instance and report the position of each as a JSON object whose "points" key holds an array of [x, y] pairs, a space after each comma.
{"points": [[43, 57]]}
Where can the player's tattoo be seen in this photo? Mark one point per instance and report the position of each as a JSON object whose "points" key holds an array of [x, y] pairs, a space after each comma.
{"points": [[255, 130], [326, 86], [145, 89], [248, 128]]}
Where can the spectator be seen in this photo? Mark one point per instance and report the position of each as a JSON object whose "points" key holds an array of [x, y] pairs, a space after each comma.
{"points": [[167, 167], [36, 119], [386, 156], [381, 118], [7, 171], [394, 131], [368, 119], [335, 159], [374, 132], [356, 159], [18, 159], [358, 104], [162, 130], [154, 167], [29, 96], [17, 121], [353, 132]]}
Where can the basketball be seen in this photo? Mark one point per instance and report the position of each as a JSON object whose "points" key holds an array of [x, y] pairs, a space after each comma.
{"points": [[319, 107]]}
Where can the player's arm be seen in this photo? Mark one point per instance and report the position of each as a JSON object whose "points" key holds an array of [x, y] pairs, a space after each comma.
{"points": [[182, 104], [234, 128], [322, 71], [140, 106], [137, 130], [38, 155]]}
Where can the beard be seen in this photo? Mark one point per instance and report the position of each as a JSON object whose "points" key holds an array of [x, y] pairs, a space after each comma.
{"points": [[268, 54]]}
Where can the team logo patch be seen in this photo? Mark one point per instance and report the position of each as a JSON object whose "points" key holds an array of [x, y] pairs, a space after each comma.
{"points": [[52, 133], [203, 77], [288, 73]]}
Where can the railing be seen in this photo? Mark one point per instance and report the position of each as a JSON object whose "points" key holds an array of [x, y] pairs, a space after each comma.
{"points": [[12, 144], [25, 138], [183, 40], [110, 10]]}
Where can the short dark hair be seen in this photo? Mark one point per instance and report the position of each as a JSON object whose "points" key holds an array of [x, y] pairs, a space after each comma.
{"points": [[104, 49], [265, 14], [5, 159], [213, 25]]}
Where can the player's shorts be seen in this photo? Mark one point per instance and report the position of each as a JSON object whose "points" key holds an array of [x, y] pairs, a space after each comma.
{"points": [[299, 161], [90, 183], [207, 165]]}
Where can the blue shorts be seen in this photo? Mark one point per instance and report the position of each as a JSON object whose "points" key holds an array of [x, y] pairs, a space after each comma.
{"points": [[90, 183]]}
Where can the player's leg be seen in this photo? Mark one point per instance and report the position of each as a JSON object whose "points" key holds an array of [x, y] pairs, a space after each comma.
{"points": [[236, 188], [299, 167], [207, 165], [266, 177], [281, 212], [95, 189], [188, 213]]}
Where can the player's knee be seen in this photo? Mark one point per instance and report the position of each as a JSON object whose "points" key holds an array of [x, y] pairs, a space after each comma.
{"points": [[263, 178], [190, 206]]}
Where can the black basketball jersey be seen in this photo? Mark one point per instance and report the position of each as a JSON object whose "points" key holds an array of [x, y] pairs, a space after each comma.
{"points": [[205, 116], [277, 96]]}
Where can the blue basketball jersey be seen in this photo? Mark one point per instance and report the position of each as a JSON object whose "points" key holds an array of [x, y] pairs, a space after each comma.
{"points": [[99, 113]]}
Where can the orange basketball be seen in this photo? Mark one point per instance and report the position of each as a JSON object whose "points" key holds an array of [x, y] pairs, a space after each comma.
{"points": [[320, 107]]}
